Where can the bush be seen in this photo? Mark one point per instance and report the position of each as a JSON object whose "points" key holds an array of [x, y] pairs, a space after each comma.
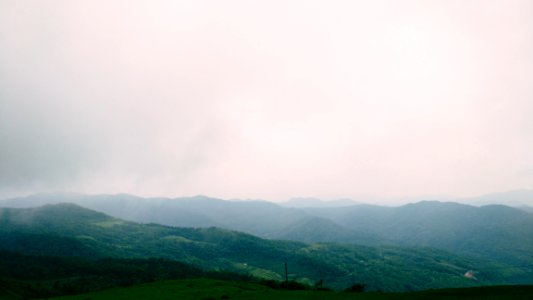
{"points": [[356, 288], [293, 285]]}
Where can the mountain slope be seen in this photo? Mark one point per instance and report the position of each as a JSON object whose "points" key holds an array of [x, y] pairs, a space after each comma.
{"points": [[64, 227], [497, 233], [260, 218], [492, 232], [314, 202], [193, 289]]}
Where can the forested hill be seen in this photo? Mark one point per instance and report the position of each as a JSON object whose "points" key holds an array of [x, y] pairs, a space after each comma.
{"points": [[259, 218], [493, 232], [69, 230]]}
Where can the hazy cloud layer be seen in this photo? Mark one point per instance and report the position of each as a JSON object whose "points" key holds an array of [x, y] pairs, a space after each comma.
{"points": [[266, 99]]}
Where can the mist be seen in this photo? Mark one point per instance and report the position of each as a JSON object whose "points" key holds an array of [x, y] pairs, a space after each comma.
{"points": [[269, 100]]}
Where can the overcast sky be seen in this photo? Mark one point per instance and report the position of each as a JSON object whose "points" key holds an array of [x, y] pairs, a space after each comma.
{"points": [[270, 99]]}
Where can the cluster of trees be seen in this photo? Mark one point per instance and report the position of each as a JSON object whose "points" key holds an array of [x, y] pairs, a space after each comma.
{"points": [[48, 276], [69, 230]]}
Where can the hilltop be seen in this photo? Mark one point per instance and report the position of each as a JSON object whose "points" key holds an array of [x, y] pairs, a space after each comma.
{"points": [[71, 231], [493, 232]]}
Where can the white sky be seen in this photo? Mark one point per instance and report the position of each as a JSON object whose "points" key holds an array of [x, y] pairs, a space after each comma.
{"points": [[270, 99]]}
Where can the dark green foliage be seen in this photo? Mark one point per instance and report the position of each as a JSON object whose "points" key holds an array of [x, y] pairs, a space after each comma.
{"points": [[285, 285], [259, 218], [211, 289], [293, 285], [44, 276], [319, 286], [91, 235], [496, 233], [356, 288], [47, 276], [44, 244]]}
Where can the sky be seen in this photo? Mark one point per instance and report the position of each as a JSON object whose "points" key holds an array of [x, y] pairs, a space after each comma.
{"points": [[266, 99]]}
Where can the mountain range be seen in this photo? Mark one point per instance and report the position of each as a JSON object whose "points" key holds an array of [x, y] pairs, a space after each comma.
{"points": [[68, 230], [494, 232]]}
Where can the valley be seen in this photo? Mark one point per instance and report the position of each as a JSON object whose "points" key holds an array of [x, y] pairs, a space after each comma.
{"points": [[401, 250]]}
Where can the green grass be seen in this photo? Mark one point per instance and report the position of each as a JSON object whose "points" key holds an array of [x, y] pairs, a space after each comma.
{"points": [[205, 289]]}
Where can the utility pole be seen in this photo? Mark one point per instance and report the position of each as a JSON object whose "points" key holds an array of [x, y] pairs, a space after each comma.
{"points": [[286, 273]]}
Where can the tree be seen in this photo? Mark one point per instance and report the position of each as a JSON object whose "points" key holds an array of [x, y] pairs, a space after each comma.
{"points": [[356, 288]]}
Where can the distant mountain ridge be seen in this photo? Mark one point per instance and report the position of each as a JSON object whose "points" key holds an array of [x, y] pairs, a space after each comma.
{"points": [[69, 230], [260, 218], [494, 232], [514, 198], [303, 202]]}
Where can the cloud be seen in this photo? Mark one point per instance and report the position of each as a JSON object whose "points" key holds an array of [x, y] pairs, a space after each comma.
{"points": [[265, 100]]}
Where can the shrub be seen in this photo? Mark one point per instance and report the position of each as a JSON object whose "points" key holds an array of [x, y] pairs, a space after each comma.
{"points": [[356, 288]]}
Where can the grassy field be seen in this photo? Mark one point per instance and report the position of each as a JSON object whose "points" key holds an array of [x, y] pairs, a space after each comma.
{"points": [[206, 289]]}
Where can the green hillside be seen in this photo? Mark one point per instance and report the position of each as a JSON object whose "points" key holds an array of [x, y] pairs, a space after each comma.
{"points": [[69, 230], [47, 276], [493, 232], [214, 289], [260, 218]]}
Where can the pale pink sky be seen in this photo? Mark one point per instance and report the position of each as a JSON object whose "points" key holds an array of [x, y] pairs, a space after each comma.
{"points": [[270, 99]]}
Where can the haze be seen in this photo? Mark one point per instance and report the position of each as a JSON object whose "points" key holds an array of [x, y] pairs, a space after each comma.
{"points": [[271, 100]]}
